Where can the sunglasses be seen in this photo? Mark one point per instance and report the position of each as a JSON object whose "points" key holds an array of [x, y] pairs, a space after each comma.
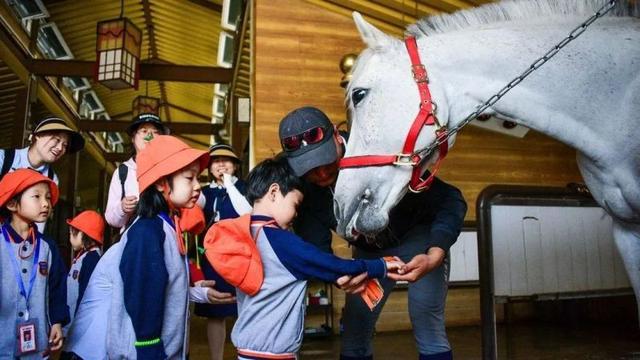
{"points": [[309, 137]]}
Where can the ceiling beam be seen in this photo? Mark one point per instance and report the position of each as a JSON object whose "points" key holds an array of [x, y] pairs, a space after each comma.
{"points": [[177, 128], [208, 5], [148, 71]]}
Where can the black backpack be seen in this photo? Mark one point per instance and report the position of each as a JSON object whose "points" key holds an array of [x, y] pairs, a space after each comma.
{"points": [[9, 155]]}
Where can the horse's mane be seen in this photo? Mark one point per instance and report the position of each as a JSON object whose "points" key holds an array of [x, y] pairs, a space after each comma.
{"points": [[509, 10]]}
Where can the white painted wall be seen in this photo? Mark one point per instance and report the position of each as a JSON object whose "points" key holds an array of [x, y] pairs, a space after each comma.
{"points": [[550, 250]]}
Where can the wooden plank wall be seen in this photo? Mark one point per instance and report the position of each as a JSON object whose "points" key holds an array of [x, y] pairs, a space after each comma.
{"points": [[298, 47]]}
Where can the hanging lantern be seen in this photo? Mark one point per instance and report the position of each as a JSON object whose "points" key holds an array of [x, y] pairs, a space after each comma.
{"points": [[118, 54], [145, 104]]}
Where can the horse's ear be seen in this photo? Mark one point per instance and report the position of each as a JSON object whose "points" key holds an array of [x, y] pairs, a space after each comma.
{"points": [[372, 36]]}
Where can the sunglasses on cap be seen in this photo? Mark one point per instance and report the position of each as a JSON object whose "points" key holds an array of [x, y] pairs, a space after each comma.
{"points": [[309, 137]]}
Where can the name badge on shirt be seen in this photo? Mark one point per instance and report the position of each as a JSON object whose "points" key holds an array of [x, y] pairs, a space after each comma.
{"points": [[43, 267], [75, 274], [26, 332]]}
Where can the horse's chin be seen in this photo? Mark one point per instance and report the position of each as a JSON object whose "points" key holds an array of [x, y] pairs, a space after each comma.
{"points": [[367, 221]]}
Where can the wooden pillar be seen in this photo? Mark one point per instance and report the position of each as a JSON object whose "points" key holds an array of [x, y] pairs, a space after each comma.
{"points": [[24, 98]]}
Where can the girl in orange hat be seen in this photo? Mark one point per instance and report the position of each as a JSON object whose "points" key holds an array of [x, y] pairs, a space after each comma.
{"points": [[33, 297], [136, 303], [86, 235]]}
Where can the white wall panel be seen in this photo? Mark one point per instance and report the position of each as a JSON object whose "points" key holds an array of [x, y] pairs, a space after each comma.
{"points": [[464, 258], [548, 250]]}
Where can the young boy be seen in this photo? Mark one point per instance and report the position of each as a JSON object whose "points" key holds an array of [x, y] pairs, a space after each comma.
{"points": [[86, 235], [270, 266], [33, 304]]}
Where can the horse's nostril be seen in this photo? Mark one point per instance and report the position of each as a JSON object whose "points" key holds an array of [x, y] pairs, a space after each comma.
{"points": [[367, 194]]}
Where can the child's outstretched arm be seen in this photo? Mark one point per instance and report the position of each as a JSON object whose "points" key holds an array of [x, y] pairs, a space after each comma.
{"points": [[305, 261], [145, 277]]}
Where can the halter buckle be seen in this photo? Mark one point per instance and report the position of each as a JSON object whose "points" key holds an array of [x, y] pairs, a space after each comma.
{"points": [[419, 73], [405, 160]]}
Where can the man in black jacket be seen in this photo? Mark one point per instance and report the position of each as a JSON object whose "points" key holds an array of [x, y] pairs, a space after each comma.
{"points": [[421, 229]]}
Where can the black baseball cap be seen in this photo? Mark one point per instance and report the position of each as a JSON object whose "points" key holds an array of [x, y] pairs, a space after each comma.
{"points": [[147, 118], [308, 156]]}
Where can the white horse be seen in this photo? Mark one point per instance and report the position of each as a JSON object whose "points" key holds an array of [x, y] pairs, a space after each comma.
{"points": [[587, 96]]}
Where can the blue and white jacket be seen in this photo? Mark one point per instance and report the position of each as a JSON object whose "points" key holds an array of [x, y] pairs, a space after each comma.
{"points": [[78, 279], [137, 293], [48, 299], [272, 321]]}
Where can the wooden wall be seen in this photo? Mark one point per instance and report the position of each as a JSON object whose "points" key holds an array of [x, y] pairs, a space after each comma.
{"points": [[298, 47]]}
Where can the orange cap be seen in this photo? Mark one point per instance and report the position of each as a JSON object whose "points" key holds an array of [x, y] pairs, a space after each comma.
{"points": [[20, 180], [90, 223], [163, 156], [234, 255], [192, 220]]}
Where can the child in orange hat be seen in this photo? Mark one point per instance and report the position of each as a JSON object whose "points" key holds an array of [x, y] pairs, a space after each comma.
{"points": [[33, 297], [86, 235], [136, 303]]}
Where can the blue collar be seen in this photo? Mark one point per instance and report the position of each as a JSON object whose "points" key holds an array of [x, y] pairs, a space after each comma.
{"points": [[15, 236], [166, 218]]}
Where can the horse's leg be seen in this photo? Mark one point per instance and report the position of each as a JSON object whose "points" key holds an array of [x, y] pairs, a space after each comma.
{"points": [[627, 238]]}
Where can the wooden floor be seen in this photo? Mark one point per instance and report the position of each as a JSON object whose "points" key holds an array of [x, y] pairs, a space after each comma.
{"points": [[519, 342]]}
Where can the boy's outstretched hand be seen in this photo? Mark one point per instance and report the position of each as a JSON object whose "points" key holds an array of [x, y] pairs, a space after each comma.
{"points": [[358, 283], [393, 263]]}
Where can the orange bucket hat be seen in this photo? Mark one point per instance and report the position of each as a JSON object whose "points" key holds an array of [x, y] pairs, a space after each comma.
{"points": [[233, 253], [163, 156], [20, 180], [192, 220], [90, 223]]}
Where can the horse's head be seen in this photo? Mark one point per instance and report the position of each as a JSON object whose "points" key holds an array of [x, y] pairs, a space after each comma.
{"points": [[383, 101]]}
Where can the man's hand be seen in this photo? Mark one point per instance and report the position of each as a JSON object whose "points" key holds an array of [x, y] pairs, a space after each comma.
{"points": [[55, 337], [352, 284], [419, 266], [128, 204], [214, 296]]}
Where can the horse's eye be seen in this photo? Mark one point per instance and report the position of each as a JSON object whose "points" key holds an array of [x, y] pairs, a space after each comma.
{"points": [[358, 94]]}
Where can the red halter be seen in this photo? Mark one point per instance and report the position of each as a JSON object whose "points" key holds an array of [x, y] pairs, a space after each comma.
{"points": [[426, 116]]}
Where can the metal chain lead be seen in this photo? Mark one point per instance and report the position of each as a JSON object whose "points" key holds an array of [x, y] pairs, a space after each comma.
{"points": [[513, 83]]}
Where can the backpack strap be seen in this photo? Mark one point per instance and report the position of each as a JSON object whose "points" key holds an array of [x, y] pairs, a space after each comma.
{"points": [[50, 173], [9, 155], [122, 174]]}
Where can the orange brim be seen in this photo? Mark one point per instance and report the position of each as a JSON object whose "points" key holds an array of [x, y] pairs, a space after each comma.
{"points": [[172, 164]]}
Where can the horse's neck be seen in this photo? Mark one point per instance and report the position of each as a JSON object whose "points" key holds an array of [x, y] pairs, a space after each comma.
{"points": [[558, 99]]}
